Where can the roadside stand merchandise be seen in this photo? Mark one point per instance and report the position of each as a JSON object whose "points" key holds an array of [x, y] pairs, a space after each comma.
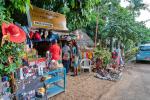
{"points": [[112, 72]]}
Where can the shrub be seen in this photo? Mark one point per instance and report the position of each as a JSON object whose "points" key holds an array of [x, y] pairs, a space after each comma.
{"points": [[131, 53], [9, 49], [104, 54]]}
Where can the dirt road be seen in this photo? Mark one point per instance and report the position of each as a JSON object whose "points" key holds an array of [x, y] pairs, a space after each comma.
{"points": [[135, 85]]}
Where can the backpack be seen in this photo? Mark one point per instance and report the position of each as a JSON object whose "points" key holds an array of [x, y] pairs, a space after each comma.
{"points": [[66, 56]]}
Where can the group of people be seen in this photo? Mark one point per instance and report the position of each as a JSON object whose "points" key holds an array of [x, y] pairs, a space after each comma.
{"points": [[117, 58], [68, 55]]}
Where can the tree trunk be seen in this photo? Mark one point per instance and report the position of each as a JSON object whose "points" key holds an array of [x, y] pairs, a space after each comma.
{"points": [[111, 44], [96, 31], [13, 83]]}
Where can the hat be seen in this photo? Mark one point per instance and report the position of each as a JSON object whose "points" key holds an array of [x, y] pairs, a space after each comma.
{"points": [[54, 41], [15, 33], [54, 37]]}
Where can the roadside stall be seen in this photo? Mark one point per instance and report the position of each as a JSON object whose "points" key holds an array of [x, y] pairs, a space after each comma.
{"points": [[38, 77], [45, 26]]}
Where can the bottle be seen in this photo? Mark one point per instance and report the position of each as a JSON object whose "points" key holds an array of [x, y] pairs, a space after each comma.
{"points": [[41, 70], [47, 58], [47, 54], [21, 74], [23, 85]]}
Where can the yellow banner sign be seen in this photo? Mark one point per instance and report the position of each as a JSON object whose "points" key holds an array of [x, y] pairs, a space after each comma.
{"points": [[41, 18]]}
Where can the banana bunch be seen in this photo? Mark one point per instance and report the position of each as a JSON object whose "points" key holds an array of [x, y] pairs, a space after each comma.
{"points": [[41, 91]]}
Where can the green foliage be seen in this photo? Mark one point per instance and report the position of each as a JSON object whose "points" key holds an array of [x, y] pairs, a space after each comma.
{"points": [[78, 12], [10, 7], [19, 5], [145, 35], [104, 54], [121, 24], [135, 6], [118, 22], [7, 50], [4, 13], [113, 20], [131, 53], [7, 8]]}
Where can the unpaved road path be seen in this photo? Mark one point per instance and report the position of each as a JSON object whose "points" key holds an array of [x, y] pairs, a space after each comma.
{"points": [[135, 85]]}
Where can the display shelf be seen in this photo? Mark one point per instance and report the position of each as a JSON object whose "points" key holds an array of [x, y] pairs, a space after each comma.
{"points": [[58, 75], [54, 79], [57, 84], [62, 70], [54, 90]]}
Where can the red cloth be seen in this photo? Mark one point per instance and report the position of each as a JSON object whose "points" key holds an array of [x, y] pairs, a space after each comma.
{"points": [[31, 35], [87, 56], [114, 55], [55, 51]]}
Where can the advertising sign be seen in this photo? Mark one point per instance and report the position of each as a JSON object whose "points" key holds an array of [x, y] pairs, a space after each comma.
{"points": [[40, 18]]}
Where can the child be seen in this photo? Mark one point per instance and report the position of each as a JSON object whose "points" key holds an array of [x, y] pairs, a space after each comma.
{"points": [[76, 60]]}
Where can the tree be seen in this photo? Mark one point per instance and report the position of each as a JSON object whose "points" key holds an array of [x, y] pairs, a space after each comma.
{"points": [[117, 22], [77, 12]]}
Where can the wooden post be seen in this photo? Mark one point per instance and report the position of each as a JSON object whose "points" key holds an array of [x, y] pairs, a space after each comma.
{"points": [[96, 31], [111, 44], [13, 83]]}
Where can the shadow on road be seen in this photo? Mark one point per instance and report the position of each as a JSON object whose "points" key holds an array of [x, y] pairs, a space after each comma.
{"points": [[141, 62], [142, 66]]}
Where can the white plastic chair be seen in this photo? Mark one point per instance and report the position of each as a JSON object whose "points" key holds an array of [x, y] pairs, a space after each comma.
{"points": [[86, 64]]}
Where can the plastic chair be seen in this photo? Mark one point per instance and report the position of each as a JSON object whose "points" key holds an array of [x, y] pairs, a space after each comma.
{"points": [[86, 64]]}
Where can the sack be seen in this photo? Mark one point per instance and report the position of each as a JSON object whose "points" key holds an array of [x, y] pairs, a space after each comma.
{"points": [[53, 64]]}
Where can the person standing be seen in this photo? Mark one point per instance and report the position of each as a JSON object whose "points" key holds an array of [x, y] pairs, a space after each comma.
{"points": [[114, 59], [75, 57], [75, 65], [119, 55], [66, 53], [55, 51], [120, 60], [122, 56]]}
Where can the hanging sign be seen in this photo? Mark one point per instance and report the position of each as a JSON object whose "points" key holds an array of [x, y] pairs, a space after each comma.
{"points": [[40, 18]]}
